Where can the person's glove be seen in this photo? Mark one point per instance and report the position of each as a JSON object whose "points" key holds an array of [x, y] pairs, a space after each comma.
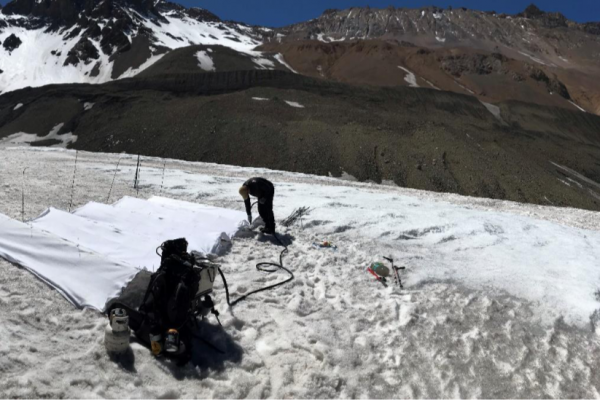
{"points": [[250, 218]]}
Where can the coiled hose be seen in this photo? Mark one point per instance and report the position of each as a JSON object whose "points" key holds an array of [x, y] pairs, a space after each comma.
{"points": [[260, 267]]}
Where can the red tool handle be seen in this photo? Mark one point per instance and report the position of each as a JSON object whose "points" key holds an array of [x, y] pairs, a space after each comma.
{"points": [[373, 273]]}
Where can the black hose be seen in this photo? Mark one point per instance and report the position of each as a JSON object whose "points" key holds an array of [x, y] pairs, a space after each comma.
{"points": [[260, 268]]}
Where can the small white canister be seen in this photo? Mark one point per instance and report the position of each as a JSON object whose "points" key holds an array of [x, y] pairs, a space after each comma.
{"points": [[117, 332]]}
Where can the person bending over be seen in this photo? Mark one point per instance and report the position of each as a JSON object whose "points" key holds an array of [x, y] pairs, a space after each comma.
{"points": [[264, 191]]}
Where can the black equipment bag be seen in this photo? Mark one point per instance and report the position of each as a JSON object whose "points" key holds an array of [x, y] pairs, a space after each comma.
{"points": [[169, 294]]}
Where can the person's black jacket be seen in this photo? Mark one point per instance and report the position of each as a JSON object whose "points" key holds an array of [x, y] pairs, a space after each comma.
{"points": [[259, 188], [265, 191]]}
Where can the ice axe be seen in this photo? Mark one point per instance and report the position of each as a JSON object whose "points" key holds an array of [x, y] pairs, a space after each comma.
{"points": [[396, 269]]}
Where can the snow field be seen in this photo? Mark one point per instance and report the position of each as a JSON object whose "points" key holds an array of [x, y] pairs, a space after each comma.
{"points": [[539, 261], [334, 332], [196, 32], [32, 63]]}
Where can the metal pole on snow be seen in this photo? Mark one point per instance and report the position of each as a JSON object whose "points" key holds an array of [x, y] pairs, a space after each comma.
{"points": [[73, 184]]}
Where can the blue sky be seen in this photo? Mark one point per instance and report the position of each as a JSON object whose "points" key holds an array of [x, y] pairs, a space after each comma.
{"points": [[277, 13]]}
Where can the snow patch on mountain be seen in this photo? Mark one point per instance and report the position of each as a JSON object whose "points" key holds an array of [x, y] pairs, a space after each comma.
{"points": [[431, 84], [22, 138], [131, 72], [18, 138], [279, 57], [263, 63], [532, 58], [410, 78], [576, 105], [205, 62], [348, 177], [464, 87], [294, 104], [576, 175], [494, 110]]}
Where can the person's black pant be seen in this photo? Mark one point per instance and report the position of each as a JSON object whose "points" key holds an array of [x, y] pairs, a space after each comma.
{"points": [[265, 210]]}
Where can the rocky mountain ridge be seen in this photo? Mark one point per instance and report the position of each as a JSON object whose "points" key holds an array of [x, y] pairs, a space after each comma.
{"points": [[538, 33], [534, 56], [96, 41]]}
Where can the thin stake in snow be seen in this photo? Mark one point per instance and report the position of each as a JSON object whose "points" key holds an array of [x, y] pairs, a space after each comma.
{"points": [[113, 180], [136, 182], [73, 184], [23, 198], [163, 178], [296, 215]]}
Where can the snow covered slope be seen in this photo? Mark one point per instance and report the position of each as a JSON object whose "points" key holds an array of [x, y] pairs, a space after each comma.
{"points": [[103, 40], [499, 302]]}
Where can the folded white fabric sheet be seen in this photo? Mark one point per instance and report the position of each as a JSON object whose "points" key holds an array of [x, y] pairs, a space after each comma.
{"points": [[130, 230], [90, 255]]}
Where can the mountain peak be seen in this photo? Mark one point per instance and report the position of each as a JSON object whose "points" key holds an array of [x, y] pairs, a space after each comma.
{"points": [[68, 11], [330, 11], [547, 19], [532, 11]]}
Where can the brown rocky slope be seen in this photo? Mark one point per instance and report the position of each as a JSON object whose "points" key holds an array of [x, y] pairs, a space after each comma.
{"points": [[452, 49]]}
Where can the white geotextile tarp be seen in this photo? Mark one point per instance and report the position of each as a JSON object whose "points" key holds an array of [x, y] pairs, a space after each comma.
{"points": [[90, 255], [84, 277]]}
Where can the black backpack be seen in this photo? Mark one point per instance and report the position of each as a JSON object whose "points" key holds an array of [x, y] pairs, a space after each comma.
{"points": [[169, 299]]}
